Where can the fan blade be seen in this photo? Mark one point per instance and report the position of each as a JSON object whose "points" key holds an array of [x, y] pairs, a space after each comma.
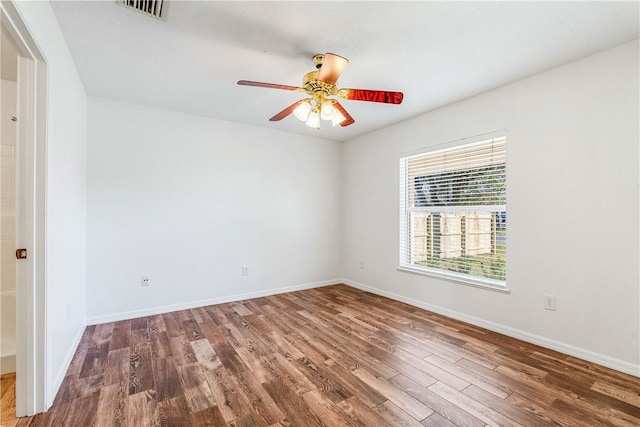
{"points": [[269, 85], [284, 113], [332, 66], [348, 120], [371, 95]]}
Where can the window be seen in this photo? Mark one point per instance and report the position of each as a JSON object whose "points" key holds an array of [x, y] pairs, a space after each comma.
{"points": [[453, 218]]}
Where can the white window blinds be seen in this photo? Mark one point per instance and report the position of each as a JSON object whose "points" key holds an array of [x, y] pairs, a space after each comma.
{"points": [[453, 211]]}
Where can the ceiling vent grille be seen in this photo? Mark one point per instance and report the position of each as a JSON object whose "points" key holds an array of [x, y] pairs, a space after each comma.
{"points": [[155, 8]]}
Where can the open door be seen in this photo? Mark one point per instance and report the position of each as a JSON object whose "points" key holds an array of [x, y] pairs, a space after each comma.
{"points": [[31, 343]]}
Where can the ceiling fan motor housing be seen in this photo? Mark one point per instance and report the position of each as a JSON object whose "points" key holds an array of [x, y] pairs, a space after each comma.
{"points": [[318, 89], [317, 60]]}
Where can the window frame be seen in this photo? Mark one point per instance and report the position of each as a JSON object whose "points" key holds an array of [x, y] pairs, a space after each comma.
{"points": [[404, 253]]}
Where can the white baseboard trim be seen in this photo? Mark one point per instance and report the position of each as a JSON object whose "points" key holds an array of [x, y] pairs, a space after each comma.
{"points": [[581, 353], [126, 315], [62, 371], [7, 364]]}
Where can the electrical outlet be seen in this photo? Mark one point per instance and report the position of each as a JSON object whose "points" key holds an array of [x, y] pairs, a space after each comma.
{"points": [[145, 281], [245, 270], [549, 302], [361, 265]]}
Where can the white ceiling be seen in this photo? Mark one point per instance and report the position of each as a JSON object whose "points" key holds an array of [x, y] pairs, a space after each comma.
{"points": [[435, 52]]}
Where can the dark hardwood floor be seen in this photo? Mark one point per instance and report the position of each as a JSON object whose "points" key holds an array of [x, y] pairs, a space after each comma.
{"points": [[329, 356]]}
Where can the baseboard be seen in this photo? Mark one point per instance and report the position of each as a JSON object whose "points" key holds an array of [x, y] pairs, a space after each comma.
{"points": [[7, 364], [581, 353], [126, 315], [62, 371]]}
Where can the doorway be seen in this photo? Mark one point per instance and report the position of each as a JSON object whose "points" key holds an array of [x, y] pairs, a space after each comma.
{"points": [[29, 161], [8, 119]]}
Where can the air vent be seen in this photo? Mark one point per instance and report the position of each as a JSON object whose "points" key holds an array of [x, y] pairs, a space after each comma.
{"points": [[155, 8]]}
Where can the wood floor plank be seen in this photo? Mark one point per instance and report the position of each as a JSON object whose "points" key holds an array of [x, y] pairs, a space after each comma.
{"points": [[241, 309], [95, 360], [470, 376], [357, 387], [357, 409], [167, 379], [291, 404], [205, 355], [511, 383], [407, 403], [605, 401], [192, 330], [229, 357], [216, 315], [181, 350], [200, 315], [234, 397], [441, 405], [393, 415], [210, 417], [120, 337], [140, 373], [197, 392], [323, 379], [174, 412], [138, 323], [576, 414], [283, 368], [156, 323], [117, 369], [140, 341], [327, 410], [437, 420], [8, 400], [325, 357], [254, 365], [172, 325], [569, 399], [475, 408], [56, 416], [630, 396], [405, 368], [430, 369], [243, 336], [77, 361], [546, 412], [260, 400], [83, 411], [75, 388], [102, 334], [112, 405], [143, 409], [506, 408], [160, 345]]}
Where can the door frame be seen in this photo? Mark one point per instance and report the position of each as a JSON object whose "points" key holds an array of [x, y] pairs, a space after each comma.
{"points": [[32, 380]]}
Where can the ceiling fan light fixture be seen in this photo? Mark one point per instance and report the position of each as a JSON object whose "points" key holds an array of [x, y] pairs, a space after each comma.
{"points": [[327, 110], [301, 112], [337, 117], [314, 119]]}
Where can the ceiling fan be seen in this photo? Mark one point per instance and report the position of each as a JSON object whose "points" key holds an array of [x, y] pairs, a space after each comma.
{"points": [[320, 85]]}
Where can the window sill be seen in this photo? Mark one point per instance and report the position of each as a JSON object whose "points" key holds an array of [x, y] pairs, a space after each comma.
{"points": [[477, 283]]}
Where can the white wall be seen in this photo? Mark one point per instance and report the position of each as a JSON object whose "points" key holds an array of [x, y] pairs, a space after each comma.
{"points": [[7, 227], [188, 201], [572, 179], [66, 193], [8, 190]]}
